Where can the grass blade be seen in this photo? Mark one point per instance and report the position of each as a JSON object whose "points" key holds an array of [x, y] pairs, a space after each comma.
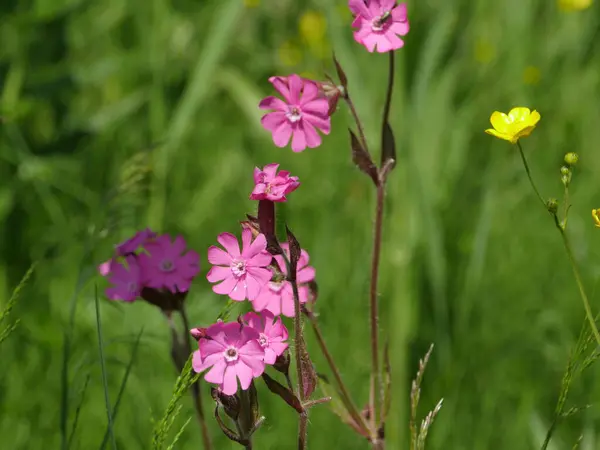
{"points": [[11, 303], [115, 411], [78, 410], [104, 378]]}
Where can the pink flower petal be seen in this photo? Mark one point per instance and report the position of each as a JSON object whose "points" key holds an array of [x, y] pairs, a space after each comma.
{"points": [[306, 274], [230, 243], [399, 13], [271, 170], [273, 120], [246, 241], [210, 346], [238, 293], [216, 374], [313, 139], [261, 259], [218, 256], [282, 135], [197, 361], [359, 7], [253, 287], [299, 139], [310, 92], [387, 5], [226, 286], [244, 373], [272, 103], [401, 28], [281, 85], [259, 245], [296, 84], [278, 347], [229, 385], [209, 361], [218, 273], [318, 107], [323, 124], [369, 41], [270, 356]]}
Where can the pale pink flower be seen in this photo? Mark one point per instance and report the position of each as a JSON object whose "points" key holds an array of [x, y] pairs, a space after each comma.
{"points": [[272, 334], [105, 268], [241, 275], [299, 116], [126, 280], [271, 185], [135, 242], [165, 265], [378, 24], [277, 296], [232, 353]]}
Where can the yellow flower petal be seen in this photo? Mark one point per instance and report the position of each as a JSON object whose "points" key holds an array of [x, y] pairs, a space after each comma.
{"points": [[534, 118], [500, 121], [519, 114], [495, 133], [596, 216]]}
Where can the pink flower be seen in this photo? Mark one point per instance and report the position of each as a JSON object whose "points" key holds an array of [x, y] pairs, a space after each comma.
{"points": [[299, 116], [165, 265], [277, 296], [241, 275], [105, 268], [378, 23], [273, 186], [271, 334], [232, 352], [135, 242], [127, 282]]}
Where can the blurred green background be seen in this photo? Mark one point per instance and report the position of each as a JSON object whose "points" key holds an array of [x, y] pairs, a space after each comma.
{"points": [[117, 115]]}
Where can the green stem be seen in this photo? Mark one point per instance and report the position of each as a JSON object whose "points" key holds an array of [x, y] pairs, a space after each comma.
{"points": [[529, 174], [584, 297]]}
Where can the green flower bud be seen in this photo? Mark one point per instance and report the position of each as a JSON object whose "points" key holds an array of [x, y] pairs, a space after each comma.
{"points": [[571, 158], [552, 205]]}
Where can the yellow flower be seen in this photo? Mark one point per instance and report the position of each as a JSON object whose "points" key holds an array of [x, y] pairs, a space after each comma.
{"points": [[574, 5], [531, 75], [596, 216], [251, 3], [518, 123], [290, 54]]}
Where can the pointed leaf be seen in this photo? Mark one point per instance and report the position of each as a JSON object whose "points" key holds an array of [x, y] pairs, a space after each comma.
{"points": [[288, 396], [231, 435], [388, 148], [340, 73], [362, 159], [295, 251]]}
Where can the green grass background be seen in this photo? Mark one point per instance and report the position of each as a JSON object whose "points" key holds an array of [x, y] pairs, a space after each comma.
{"points": [[95, 94]]}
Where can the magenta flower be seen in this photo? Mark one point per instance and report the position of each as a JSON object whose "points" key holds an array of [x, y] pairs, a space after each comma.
{"points": [[165, 265], [299, 116], [272, 335], [135, 242], [277, 296], [241, 275], [378, 24], [232, 353], [273, 186], [126, 280]]}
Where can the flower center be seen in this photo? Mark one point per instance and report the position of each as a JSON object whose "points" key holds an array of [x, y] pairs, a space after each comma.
{"points": [[166, 265], [294, 114], [231, 354], [276, 286], [238, 268], [263, 340], [378, 22]]}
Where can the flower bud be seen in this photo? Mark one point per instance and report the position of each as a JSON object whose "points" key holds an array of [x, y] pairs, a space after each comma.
{"points": [[552, 205], [571, 158], [251, 224], [230, 403], [282, 363], [565, 175], [596, 216], [198, 333]]}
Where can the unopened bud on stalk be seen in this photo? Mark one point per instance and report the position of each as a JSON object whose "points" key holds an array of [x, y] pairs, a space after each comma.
{"points": [[571, 158], [552, 205], [230, 403], [565, 175], [198, 333]]}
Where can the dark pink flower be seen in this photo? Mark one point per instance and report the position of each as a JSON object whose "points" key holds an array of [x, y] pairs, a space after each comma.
{"points": [[125, 279], [273, 186], [241, 275], [277, 296], [135, 242], [378, 23], [299, 117], [165, 265], [272, 335], [232, 353]]}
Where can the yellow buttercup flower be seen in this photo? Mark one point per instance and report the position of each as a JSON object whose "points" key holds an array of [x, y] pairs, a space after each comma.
{"points": [[574, 5], [518, 123], [596, 216]]}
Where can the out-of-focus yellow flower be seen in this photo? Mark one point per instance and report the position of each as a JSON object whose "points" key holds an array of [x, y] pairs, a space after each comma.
{"points": [[518, 123], [531, 75], [596, 216], [289, 54], [574, 5], [484, 51], [312, 27], [251, 3]]}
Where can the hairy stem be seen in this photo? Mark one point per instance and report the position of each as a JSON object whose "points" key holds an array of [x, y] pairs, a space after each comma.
{"points": [[373, 303], [346, 399], [299, 344], [302, 429], [196, 391], [390, 88], [361, 131]]}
